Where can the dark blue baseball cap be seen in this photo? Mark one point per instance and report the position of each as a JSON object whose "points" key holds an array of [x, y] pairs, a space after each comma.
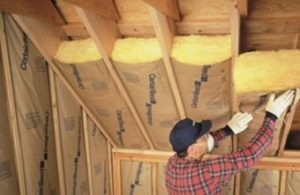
{"points": [[186, 132]]}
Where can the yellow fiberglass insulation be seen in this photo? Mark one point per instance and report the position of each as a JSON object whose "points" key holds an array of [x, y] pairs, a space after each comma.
{"points": [[266, 71], [136, 50], [77, 51], [201, 50]]}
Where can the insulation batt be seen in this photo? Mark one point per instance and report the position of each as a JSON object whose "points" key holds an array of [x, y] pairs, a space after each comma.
{"points": [[201, 50], [77, 51], [260, 71], [266, 71], [192, 49], [136, 50]]}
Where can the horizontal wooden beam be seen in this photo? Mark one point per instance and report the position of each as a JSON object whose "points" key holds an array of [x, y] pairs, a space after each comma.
{"points": [[142, 155], [291, 153], [41, 9], [265, 41], [154, 156], [105, 8], [278, 25], [138, 29], [167, 7], [205, 27], [254, 28]]}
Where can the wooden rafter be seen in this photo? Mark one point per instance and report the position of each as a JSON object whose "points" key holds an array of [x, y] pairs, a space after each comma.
{"points": [[42, 10], [12, 113], [37, 31], [167, 7], [105, 8], [165, 32], [104, 31], [57, 135], [154, 156]]}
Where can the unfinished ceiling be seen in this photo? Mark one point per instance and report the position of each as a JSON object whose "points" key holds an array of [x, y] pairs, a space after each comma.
{"points": [[265, 24], [113, 93], [267, 20]]}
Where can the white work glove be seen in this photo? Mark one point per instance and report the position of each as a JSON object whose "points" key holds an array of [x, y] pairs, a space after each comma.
{"points": [[278, 106], [239, 122]]}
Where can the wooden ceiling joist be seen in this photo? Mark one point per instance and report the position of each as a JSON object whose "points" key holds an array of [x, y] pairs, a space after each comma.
{"points": [[165, 31], [104, 31], [42, 10], [37, 31], [105, 8], [167, 7]]}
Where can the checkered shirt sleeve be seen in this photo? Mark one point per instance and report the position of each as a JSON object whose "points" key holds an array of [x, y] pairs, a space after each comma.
{"points": [[227, 165]]}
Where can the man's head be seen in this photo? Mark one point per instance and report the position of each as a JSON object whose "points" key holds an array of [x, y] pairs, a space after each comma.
{"points": [[190, 138]]}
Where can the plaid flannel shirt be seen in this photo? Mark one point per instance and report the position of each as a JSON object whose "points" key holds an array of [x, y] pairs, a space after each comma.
{"points": [[185, 177]]}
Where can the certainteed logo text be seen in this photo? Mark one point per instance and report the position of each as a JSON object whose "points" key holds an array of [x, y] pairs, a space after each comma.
{"points": [[77, 76], [252, 181], [25, 53], [121, 124], [198, 84], [45, 156], [152, 94]]}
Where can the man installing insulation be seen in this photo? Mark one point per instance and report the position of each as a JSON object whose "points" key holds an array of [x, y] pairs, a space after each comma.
{"points": [[188, 173]]}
